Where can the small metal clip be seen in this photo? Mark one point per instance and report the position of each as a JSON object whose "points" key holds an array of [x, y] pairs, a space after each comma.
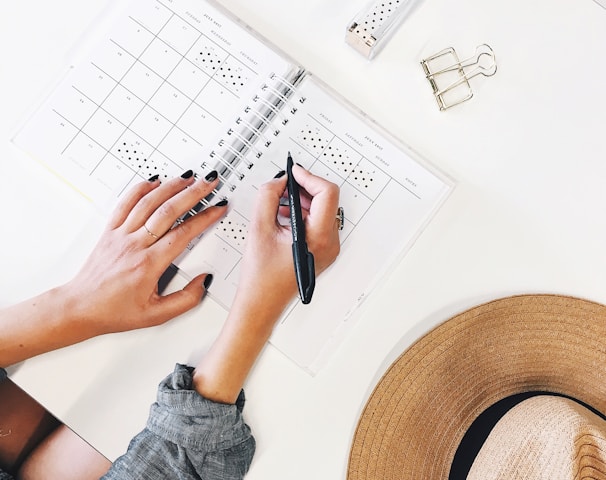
{"points": [[449, 77]]}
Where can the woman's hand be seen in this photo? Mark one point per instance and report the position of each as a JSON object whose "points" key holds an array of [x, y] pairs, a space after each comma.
{"points": [[267, 280], [116, 289], [268, 270]]}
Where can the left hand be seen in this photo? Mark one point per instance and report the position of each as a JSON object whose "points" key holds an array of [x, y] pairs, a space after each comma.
{"points": [[116, 289]]}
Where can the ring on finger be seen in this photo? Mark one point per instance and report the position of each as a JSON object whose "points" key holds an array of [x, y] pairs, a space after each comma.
{"points": [[340, 217], [150, 233]]}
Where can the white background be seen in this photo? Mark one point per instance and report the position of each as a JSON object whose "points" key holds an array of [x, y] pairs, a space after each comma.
{"points": [[527, 152]]}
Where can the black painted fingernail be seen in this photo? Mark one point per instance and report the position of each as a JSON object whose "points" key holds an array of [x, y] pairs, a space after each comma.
{"points": [[208, 281], [300, 165], [222, 203], [153, 178], [280, 174], [211, 176], [187, 174]]}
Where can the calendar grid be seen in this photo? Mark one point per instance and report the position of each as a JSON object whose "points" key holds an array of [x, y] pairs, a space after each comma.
{"points": [[136, 165], [187, 87]]}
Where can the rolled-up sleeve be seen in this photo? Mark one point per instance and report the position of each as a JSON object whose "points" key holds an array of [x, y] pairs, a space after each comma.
{"points": [[188, 437]]}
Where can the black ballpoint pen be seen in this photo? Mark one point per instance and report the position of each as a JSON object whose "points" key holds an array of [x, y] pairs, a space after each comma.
{"points": [[303, 258]]}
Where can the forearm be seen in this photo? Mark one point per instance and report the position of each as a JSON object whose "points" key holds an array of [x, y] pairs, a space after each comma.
{"points": [[267, 282], [220, 375], [43, 323]]}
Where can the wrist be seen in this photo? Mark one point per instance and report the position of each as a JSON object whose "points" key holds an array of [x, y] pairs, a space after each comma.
{"points": [[46, 322], [76, 312], [263, 305], [221, 373]]}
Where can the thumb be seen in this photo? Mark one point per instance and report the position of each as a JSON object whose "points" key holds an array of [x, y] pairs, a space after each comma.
{"points": [[268, 201], [183, 300]]}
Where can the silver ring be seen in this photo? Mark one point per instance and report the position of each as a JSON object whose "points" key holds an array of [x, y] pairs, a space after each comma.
{"points": [[341, 217], [151, 234]]}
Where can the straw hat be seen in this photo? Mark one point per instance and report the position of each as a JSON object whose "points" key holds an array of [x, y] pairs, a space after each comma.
{"points": [[422, 409]]}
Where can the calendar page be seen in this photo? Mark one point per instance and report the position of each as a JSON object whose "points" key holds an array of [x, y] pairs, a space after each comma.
{"points": [[152, 98], [179, 85]]}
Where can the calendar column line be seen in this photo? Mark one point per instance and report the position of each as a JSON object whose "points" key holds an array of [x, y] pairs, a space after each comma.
{"points": [[137, 59], [173, 125], [106, 97]]}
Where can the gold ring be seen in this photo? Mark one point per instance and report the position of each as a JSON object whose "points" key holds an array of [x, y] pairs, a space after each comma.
{"points": [[341, 217], [151, 234]]}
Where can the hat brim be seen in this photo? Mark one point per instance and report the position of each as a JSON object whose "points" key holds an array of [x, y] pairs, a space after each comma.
{"points": [[421, 408]]}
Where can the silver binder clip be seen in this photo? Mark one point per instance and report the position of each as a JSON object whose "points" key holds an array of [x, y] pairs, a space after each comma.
{"points": [[449, 77]]}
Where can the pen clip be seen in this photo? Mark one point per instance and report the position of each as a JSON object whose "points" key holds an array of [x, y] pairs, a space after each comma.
{"points": [[311, 276], [306, 273]]}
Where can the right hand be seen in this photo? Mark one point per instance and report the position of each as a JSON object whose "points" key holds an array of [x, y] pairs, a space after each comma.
{"points": [[267, 277], [267, 280]]}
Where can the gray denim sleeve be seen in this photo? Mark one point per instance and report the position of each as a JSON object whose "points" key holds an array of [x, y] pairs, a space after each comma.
{"points": [[188, 437]]}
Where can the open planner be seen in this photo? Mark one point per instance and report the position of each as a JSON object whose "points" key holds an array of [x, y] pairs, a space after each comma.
{"points": [[182, 84]]}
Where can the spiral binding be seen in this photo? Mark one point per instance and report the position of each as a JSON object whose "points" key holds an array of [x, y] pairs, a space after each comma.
{"points": [[251, 146], [248, 137], [253, 129]]}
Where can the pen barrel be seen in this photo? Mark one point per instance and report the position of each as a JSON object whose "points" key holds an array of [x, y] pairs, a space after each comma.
{"points": [[304, 271], [303, 259]]}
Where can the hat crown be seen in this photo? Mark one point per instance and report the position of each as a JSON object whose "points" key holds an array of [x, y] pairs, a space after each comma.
{"points": [[418, 413], [544, 438]]}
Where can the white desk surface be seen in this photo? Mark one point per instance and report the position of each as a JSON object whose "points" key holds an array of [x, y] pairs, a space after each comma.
{"points": [[528, 153]]}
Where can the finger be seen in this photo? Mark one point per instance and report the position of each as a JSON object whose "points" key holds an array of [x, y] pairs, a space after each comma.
{"points": [[325, 197], [164, 217], [150, 202], [268, 201], [128, 202], [312, 184], [305, 199], [177, 239], [176, 303]]}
